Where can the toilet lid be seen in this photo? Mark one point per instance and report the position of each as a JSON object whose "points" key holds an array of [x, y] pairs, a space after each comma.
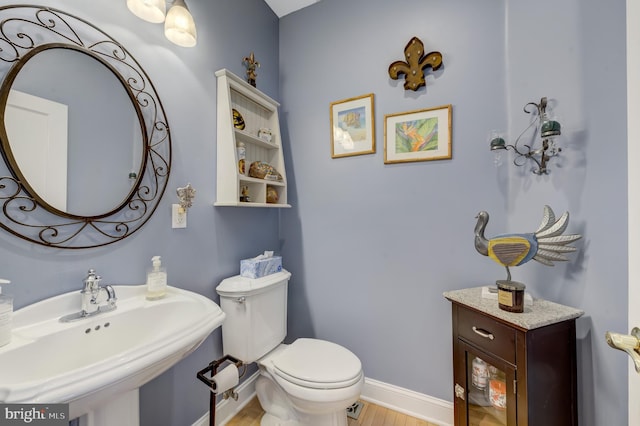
{"points": [[318, 364]]}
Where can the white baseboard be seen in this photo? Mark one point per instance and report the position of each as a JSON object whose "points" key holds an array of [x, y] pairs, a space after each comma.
{"points": [[408, 402], [402, 400]]}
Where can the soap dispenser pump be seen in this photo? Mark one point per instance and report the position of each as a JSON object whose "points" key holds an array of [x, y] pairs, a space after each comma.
{"points": [[156, 280], [6, 315]]}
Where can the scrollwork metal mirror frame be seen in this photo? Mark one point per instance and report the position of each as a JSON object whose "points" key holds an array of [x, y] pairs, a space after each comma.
{"points": [[26, 31]]}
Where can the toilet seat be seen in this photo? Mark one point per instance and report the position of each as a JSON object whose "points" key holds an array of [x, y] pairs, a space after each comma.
{"points": [[317, 364]]}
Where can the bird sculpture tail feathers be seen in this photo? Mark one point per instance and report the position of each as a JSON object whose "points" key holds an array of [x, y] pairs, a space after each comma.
{"points": [[546, 245], [551, 243]]}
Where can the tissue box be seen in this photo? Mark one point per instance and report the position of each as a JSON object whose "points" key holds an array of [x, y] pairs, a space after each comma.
{"points": [[251, 268]]}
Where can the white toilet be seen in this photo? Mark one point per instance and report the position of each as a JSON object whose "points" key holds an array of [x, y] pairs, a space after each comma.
{"points": [[309, 382]]}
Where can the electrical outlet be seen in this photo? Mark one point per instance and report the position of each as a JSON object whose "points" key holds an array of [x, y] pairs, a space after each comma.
{"points": [[178, 216]]}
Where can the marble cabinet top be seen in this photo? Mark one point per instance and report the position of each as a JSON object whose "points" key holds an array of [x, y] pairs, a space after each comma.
{"points": [[539, 314]]}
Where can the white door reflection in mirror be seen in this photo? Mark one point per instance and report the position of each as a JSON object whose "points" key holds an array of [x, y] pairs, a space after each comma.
{"points": [[38, 129]]}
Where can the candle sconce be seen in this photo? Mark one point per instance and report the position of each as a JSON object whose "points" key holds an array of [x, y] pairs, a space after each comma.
{"points": [[548, 129]]}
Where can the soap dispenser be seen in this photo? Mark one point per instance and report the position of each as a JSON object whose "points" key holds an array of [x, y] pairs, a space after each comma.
{"points": [[6, 315], [156, 280]]}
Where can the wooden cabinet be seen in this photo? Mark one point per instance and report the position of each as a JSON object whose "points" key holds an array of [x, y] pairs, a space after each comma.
{"points": [[513, 368], [249, 117]]}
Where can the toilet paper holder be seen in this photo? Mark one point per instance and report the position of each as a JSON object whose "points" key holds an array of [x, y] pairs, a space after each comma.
{"points": [[212, 368]]}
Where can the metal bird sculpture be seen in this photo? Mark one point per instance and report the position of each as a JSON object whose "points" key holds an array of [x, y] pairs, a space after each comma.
{"points": [[546, 245]]}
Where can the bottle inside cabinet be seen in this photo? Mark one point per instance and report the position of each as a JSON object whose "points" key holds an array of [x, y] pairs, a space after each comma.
{"points": [[248, 125], [487, 395]]}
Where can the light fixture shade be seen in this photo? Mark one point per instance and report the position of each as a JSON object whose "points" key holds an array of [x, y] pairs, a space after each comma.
{"points": [[149, 10], [497, 143], [179, 26], [550, 128]]}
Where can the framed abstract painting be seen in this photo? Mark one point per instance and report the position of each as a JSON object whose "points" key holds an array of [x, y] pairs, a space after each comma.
{"points": [[420, 135]]}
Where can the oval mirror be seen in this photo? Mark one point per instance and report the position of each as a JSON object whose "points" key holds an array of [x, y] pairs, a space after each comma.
{"points": [[106, 177], [73, 132]]}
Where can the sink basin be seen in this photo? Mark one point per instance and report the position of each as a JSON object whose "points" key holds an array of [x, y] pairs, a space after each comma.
{"points": [[86, 362]]}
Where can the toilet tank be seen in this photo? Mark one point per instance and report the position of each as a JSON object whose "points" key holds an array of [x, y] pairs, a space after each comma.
{"points": [[256, 312]]}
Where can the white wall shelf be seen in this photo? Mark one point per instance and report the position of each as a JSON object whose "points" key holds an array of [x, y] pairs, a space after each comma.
{"points": [[258, 111]]}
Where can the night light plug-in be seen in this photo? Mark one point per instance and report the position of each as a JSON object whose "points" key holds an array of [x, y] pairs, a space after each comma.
{"points": [[178, 216]]}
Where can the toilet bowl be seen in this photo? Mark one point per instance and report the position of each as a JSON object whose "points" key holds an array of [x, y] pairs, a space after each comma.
{"points": [[309, 382]]}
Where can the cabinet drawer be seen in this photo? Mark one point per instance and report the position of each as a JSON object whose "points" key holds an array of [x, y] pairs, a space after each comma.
{"points": [[487, 334]]}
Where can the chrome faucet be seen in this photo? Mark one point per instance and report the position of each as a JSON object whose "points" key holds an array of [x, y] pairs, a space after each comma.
{"points": [[90, 293]]}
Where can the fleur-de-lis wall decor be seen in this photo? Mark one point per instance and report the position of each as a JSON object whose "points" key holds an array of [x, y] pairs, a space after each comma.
{"points": [[251, 64], [416, 62]]}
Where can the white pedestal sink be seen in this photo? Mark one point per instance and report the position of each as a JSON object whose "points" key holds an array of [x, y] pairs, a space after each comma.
{"points": [[97, 364]]}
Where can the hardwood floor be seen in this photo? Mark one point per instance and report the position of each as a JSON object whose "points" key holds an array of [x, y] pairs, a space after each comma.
{"points": [[249, 416], [371, 415]]}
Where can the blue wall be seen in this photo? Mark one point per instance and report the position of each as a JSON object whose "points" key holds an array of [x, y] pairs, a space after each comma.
{"points": [[373, 246], [199, 257]]}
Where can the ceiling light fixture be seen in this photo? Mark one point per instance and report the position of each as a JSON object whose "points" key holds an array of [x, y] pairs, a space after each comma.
{"points": [[149, 10], [179, 26]]}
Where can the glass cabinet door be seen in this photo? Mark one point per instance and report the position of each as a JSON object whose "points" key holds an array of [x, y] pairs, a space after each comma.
{"points": [[484, 389]]}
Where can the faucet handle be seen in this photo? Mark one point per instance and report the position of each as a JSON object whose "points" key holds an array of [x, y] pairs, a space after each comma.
{"points": [[92, 280]]}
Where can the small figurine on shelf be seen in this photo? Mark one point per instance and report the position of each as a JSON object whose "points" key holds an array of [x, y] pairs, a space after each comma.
{"points": [[265, 134], [260, 170], [242, 155], [244, 194], [238, 121], [251, 64], [272, 195]]}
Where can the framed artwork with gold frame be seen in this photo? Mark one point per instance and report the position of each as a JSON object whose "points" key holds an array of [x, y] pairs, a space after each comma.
{"points": [[420, 135], [352, 127]]}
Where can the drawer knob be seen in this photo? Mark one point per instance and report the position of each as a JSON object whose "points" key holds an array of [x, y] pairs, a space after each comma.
{"points": [[483, 333]]}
